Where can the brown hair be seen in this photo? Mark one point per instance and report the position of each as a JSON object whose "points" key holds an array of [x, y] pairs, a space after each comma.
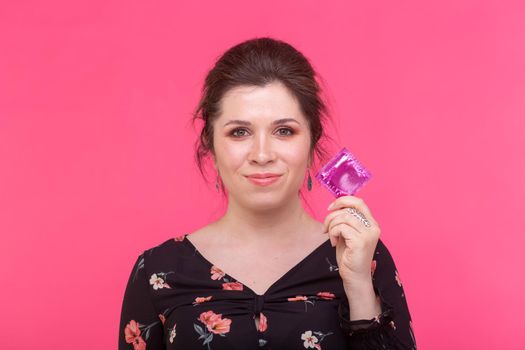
{"points": [[258, 62]]}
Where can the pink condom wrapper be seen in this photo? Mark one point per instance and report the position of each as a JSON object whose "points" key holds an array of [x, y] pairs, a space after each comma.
{"points": [[343, 175]]}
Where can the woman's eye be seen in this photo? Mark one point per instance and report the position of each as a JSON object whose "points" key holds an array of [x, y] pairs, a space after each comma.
{"points": [[239, 132], [234, 132], [285, 129]]}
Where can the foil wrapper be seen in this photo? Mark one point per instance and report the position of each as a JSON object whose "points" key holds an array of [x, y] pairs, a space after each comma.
{"points": [[343, 175]]}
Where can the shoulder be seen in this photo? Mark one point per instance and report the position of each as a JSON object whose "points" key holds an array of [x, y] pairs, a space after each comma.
{"points": [[160, 247], [163, 252]]}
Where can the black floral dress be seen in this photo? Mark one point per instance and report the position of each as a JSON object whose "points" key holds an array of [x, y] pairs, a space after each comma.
{"points": [[176, 299]]}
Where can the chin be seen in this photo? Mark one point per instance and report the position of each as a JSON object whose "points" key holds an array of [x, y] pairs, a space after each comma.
{"points": [[264, 201]]}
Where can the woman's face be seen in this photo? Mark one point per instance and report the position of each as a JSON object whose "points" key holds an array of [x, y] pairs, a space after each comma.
{"points": [[261, 130]]}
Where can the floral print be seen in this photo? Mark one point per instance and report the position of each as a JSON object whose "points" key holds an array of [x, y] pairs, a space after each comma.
{"points": [[214, 323], [302, 298], [232, 286], [172, 332], [309, 339], [139, 265], [311, 300], [200, 300], [398, 279], [133, 334], [326, 295], [179, 300], [411, 330], [312, 340], [374, 266], [263, 322], [179, 238], [216, 273], [331, 267], [157, 280]]}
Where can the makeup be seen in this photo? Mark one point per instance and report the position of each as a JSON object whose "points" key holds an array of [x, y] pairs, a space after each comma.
{"points": [[265, 181], [343, 175]]}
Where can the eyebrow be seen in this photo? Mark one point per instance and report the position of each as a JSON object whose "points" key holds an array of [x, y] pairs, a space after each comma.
{"points": [[275, 122]]}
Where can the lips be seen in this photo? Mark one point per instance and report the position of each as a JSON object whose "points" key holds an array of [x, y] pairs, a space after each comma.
{"points": [[263, 175], [263, 179]]}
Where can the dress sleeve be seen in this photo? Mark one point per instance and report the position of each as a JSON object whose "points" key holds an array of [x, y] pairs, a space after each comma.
{"points": [[392, 329], [140, 324]]}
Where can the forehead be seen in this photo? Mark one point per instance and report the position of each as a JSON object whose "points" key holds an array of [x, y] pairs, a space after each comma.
{"points": [[272, 101]]}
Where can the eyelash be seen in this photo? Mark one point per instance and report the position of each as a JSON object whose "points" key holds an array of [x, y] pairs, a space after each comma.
{"points": [[234, 130]]}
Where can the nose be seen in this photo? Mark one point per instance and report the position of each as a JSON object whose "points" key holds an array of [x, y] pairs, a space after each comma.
{"points": [[261, 151]]}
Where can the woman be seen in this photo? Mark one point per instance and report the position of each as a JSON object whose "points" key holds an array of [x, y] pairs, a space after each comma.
{"points": [[265, 275]]}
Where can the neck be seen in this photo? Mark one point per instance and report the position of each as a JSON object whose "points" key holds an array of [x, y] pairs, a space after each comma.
{"points": [[274, 226]]}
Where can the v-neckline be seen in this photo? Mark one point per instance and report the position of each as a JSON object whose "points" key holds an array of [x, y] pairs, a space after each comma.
{"points": [[274, 284]]}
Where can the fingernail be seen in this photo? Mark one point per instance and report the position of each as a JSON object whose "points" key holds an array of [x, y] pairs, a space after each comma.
{"points": [[330, 206]]}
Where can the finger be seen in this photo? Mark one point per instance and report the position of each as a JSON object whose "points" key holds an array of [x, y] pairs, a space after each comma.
{"points": [[333, 240], [331, 216], [345, 215], [349, 219], [356, 202], [351, 236], [345, 233], [334, 234]]}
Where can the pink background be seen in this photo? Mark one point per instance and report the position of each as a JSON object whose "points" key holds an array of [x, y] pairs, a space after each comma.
{"points": [[96, 150]]}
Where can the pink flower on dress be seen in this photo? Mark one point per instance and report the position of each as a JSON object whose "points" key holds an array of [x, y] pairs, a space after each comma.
{"points": [[232, 286], [221, 326], [298, 298], [173, 333], [263, 322], [207, 317], [132, 335], [162, 318], [158, 282], [200, 300], [216, 273], [215, 323], [313, 339], [310, 340], [326, 295], [374, 265], [179, 238]]}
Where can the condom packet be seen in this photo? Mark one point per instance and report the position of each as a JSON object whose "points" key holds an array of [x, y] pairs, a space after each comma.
{"points": [[343, 174]]}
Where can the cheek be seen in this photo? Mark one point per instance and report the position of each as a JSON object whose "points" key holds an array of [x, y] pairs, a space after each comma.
{"points": [[296, 155], [230, 156]]}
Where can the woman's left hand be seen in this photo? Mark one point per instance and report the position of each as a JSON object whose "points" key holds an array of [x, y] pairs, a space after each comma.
{"points": [[355, 243]]}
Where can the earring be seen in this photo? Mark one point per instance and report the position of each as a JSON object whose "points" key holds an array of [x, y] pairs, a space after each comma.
{"points": [[309, 181]]}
